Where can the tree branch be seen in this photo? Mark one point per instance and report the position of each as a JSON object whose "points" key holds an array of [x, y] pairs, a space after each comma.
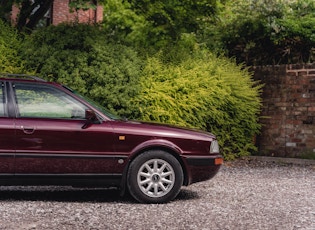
{"points": [[43, 7]]}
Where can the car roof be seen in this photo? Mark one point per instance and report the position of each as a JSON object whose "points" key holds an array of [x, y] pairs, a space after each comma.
{"points": [[9, 76]]}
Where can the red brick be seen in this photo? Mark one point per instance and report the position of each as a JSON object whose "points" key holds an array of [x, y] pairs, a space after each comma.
{"points": [[60, 13], [289, 101]]}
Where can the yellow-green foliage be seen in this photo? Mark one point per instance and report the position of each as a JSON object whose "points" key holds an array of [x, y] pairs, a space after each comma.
{"points": [[9, 44], [203, 92]]}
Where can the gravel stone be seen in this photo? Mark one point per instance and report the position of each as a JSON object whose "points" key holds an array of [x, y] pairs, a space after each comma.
{"points": [[245, 194]]}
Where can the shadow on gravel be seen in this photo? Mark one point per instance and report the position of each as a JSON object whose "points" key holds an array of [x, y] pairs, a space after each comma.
{"points": [[76, 195], [186, 194]]}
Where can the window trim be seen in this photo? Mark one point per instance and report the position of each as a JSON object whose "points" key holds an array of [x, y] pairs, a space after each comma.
{"points": [[38, 85], [4, 99]]}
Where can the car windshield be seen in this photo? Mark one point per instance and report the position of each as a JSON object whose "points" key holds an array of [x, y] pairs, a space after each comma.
{"points": [[95, 104]]}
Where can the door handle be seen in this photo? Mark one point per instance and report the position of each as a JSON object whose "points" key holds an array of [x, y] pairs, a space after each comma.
{"points": [[28, 130]]}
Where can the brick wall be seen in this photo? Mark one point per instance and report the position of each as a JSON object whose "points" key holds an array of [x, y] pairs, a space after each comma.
{"points": [[288, 113], [60, 13], [14, 14]]}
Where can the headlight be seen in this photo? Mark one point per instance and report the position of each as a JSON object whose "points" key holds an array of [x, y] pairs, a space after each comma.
{"points": [[214, 147]]}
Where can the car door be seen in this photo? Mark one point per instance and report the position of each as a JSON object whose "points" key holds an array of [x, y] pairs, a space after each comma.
{"points": [[51, 137], [6, 135]]}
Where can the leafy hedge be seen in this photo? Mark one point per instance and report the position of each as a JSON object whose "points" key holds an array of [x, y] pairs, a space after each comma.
{"points": [[80, 57], [203, 92], [264, 32]]}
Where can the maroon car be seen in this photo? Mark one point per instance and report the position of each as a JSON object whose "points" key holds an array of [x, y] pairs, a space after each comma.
{"points": [[49, 135]]}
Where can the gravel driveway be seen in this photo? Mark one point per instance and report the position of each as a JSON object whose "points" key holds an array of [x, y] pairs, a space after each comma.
{"points": [[244, 195]]}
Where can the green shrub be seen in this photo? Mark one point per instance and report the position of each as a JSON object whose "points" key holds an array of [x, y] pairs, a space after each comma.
{"points": [[264, 32], [10, 42], [203, 92], [80, 56]]}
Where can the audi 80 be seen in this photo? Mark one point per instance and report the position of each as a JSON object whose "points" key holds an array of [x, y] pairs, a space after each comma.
{"points": [[50, 135]]}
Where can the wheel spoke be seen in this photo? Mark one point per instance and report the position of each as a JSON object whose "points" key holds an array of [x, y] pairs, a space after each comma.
{"points": [[155, 166], [146, 181], [161, 169], [166, 174], [156, 189], [147, 166], [166, 181], [146, 175], [149, 187], [162, 187]]}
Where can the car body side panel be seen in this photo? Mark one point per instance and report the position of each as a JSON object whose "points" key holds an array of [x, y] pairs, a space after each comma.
{"points": [[6, 145], [7, 132], [62, 146]]}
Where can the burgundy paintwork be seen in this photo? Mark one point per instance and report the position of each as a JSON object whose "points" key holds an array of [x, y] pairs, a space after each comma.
{"points": [[6, 145], [60, 151]]}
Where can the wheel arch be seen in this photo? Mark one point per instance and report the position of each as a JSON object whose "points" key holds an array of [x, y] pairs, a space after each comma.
{"points": [[170, 149]]}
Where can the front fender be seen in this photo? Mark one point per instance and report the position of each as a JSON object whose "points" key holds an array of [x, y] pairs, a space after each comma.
{"points": [[155, 143], [144, 146]]}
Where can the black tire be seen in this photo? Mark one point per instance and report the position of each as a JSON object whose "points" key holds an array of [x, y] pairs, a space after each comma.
{"points": [[155, 177]]}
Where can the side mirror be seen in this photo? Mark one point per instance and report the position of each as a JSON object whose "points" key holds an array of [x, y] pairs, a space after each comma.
{"points": [[90, 115], [91, 118]]}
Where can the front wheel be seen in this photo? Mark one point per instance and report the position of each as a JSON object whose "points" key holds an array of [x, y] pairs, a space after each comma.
{"points": [[155, 177]]}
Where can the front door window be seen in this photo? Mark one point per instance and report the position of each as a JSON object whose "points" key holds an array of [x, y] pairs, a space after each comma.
{"points": [[40, 101]]}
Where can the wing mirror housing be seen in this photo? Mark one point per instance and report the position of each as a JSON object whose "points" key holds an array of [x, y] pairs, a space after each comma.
{"points": [[91, 118]]}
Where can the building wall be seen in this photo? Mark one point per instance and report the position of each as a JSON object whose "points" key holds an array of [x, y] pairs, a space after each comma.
{"points": [[14, 14], [60, 13], [288, 113]]}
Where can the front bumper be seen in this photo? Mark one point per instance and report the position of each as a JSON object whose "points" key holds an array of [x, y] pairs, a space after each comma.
{"points": [[202, 168]]}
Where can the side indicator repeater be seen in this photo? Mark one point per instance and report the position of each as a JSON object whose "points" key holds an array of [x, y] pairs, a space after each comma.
{"points": [[218, 161], [122, 138]]}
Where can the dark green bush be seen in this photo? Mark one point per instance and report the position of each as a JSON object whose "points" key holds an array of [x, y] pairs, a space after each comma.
{"points": [[80, 57], [264, 32]]}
